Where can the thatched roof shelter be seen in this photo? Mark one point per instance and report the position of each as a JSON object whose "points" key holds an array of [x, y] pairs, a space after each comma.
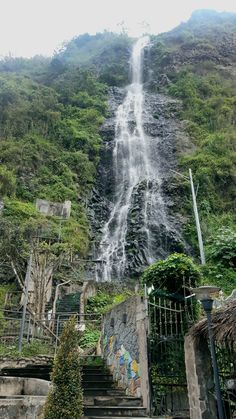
{"points": [[224, 325]]}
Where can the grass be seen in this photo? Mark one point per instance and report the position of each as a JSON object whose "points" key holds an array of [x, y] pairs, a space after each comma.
{"points": [[31, 349]]}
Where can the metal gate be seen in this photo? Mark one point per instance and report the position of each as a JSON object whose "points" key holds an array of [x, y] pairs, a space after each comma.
{"points": [[226, 357], [170, 317]]}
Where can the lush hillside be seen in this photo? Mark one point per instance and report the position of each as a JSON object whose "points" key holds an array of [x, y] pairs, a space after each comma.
{"points": [[198, 61], [51, 112], [49, 148], [106, 54]]}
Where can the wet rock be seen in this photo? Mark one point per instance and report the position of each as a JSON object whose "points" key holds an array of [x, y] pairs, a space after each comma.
{"points": [[163, 133]]}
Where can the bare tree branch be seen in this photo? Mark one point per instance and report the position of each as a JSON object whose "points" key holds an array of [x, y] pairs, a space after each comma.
{"points": [[16, 273]]}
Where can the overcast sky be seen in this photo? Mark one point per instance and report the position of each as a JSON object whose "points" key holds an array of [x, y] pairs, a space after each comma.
{"points": [[30, 27]]}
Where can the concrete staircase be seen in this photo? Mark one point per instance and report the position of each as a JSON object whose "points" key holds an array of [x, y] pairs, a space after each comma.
{"points": [[70, 303], [102, 398]]}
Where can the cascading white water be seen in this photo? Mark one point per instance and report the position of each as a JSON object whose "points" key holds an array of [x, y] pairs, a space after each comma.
{"points": [[133, 166]]}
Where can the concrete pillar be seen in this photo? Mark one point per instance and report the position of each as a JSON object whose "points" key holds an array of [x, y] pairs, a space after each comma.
{"points": [[200, 379]]}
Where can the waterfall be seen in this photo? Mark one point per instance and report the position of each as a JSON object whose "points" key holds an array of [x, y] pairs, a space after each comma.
{"points": [[137, 178]]}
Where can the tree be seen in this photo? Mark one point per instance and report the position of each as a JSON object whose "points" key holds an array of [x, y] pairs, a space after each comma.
{"points": [[171, 274], [7, 182], [65, 399], [23, 230]]}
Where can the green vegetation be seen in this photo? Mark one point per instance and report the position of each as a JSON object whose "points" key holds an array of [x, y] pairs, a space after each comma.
{"points": [[4, 289], [93, 361], [221, 252], [90, 337], [208, 93], [105, 300], [208, 36], [49, 147], [107, 52], [10, 349], [222, 248], [49, 141], [225, 278], [34, 67], [51, 111], [29, 350], [172, 273], [65, 399], [209, 110], [201, 75]]}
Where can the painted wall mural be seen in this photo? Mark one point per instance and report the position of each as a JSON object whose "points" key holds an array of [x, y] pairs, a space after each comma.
{"points": [[120, 348], [125, 369]]}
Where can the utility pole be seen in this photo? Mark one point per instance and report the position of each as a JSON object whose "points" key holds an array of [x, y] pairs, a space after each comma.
{"points": [[195, 209], [198, 226], [26, 292]]}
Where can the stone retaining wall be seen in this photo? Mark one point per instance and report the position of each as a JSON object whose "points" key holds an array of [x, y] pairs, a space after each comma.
{"points": [[28, 407], [22, 398], [13, 386], [23, 362]]}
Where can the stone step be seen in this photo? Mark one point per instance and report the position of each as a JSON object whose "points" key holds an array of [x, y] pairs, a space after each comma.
{"points": [[115, 400], [92, 368], [87, 383], [123, 417], [22, 397], [100, 391], [97, 377], [113, 411], [95, 370], [31, 372], [43, 371]]}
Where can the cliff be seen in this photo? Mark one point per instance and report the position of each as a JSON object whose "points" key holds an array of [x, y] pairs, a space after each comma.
{"points": [[57, 137]]}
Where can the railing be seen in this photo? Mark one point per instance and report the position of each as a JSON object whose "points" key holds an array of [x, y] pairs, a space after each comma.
{"points": [[34, 328], [170, 398], [47, 329], [83, 320], [169, 318]]}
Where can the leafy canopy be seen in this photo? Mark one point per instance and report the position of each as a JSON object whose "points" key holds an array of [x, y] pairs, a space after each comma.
{"points": [[172, 273], [49, 147]]}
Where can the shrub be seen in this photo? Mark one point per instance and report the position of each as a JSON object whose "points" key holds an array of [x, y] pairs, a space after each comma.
{"points": [[170, 274], [65, 400], [218, 275], [90, 338], [222, 248]]}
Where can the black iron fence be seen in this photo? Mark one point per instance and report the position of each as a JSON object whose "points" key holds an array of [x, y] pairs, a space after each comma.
{"points": [[226, 356], [169, 321]]}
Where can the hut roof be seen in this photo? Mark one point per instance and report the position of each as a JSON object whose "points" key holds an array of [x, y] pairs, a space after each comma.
{"points": [[223, 322]]}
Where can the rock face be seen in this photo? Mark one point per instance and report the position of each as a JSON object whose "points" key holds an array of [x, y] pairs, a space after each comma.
{"points": [[100, 203], [164, 133]]}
